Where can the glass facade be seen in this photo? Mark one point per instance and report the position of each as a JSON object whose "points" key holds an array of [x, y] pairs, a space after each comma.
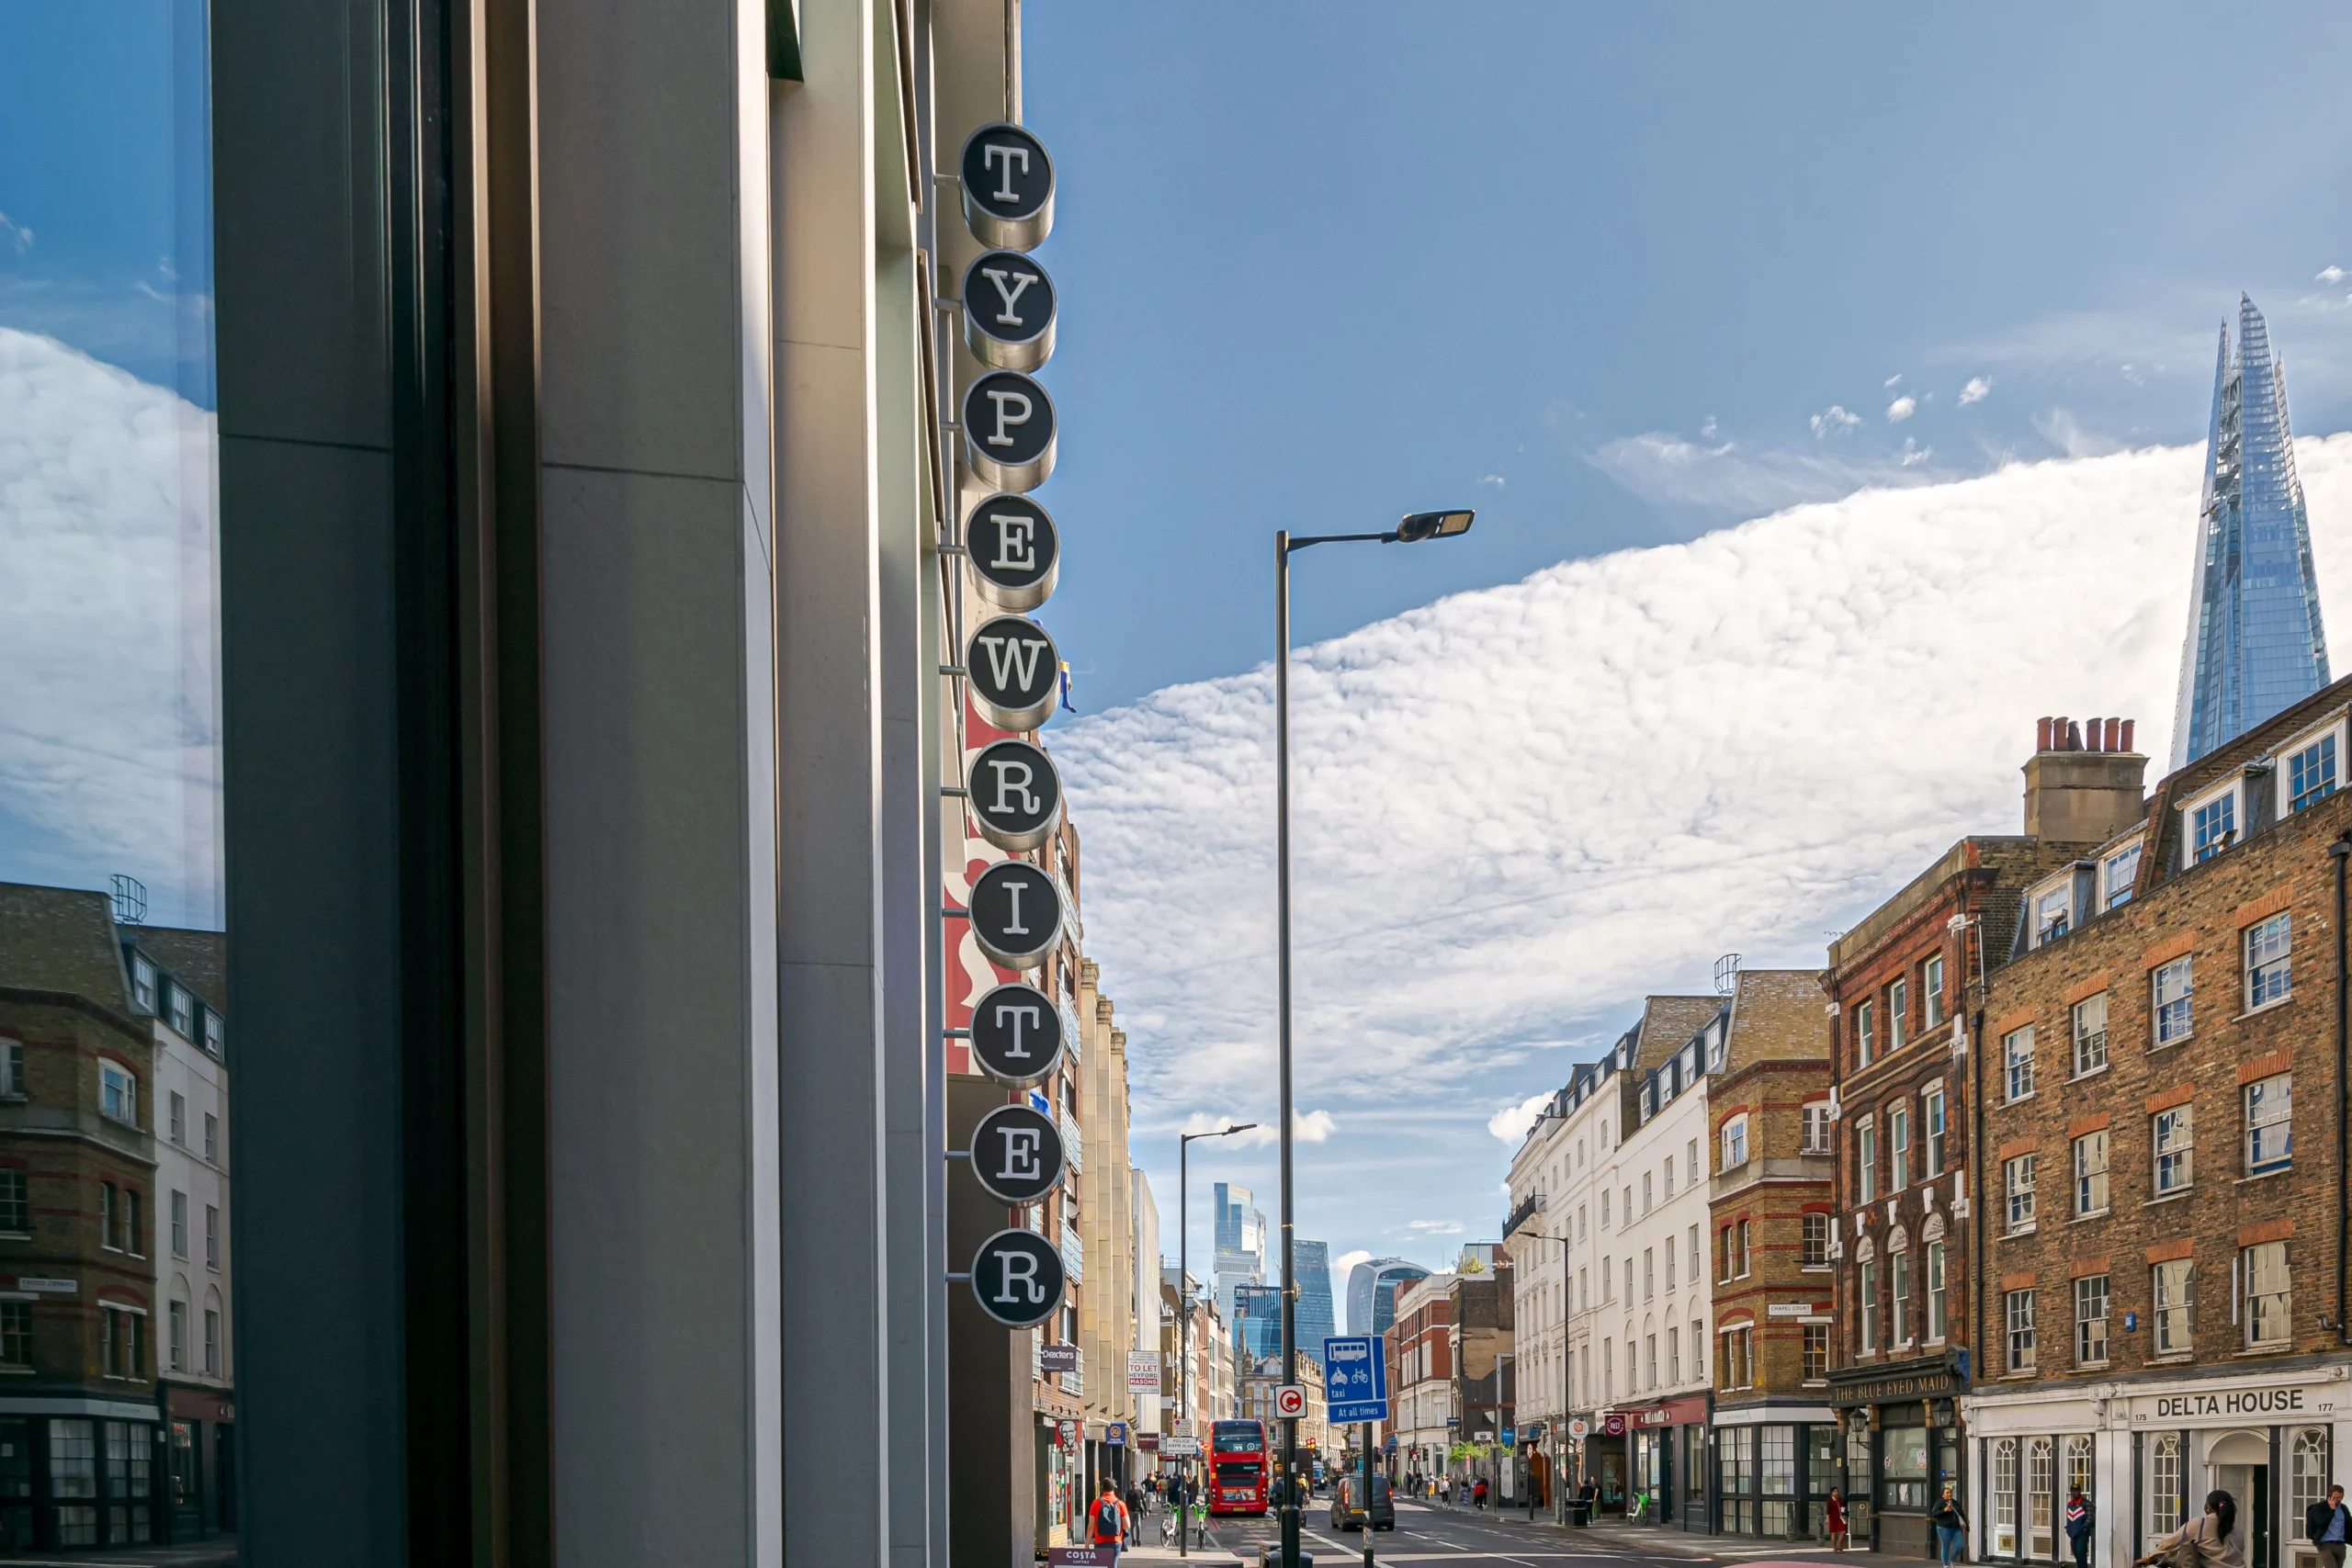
{"points": [[2255, 643]]}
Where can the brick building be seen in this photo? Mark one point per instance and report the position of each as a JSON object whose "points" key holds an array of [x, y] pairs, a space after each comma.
{"points": [[1423, 1420], [1479, 1321], [2161, 1296], [1901, 984], [84, 1459], [1767, 1088]]}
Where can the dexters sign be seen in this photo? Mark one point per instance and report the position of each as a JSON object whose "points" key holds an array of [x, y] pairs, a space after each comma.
{"points": [[1355, 1378]]}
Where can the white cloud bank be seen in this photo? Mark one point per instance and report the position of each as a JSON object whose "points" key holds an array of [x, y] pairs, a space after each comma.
{"points": [[106, 707], [1521, 809], [1511, 1122]]}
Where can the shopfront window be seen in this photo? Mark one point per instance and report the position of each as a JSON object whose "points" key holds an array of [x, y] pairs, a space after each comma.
{"points": [[2165, 1484], [1902, 1476], [1737, 1449], [2004, 1486], [1776, 1478], [1821, 1466], [2307, 1474], [2041, 1498]]}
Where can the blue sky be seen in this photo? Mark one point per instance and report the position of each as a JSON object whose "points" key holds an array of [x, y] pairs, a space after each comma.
{"points": [[1618, 278], [1322, 265]]}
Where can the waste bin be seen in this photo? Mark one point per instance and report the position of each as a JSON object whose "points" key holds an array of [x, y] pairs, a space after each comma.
{"points": [[1579, 1513], [1271, 1557]]}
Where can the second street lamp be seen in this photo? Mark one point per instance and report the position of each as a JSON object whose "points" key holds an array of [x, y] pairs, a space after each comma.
{"points": [[1412, 529], [1184, 1141]]}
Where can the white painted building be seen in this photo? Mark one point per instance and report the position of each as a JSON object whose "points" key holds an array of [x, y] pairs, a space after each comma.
{"points": [[1144, 1214]]}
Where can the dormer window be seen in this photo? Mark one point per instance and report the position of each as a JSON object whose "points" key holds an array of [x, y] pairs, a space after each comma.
{"points": [[2311, 771], [2053, 912], [183, 1010], [2117, 873], [142, 982], [2213, 823]]}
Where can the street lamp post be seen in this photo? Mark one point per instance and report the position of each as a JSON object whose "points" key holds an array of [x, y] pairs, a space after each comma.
{"points": [[1184, 1294], [1413, 529]]}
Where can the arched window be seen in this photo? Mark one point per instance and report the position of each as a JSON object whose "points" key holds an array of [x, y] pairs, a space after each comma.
{"points": [[2163, 1483], [2005, 1497], [2078, 1462], [2040, 1500], [2308, 1473]]}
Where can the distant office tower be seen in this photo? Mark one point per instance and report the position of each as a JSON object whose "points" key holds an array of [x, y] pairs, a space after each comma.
{"points": [[1372, 1292], [1314, 1321], [1256, 1323], [2255, 643], [1241, 1245]]}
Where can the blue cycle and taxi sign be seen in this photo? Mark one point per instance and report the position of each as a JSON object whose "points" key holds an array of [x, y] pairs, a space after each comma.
{"points": [[1355, 1378]]}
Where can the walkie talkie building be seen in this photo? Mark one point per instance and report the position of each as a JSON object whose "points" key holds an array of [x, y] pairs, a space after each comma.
{"points": [[2254, 641]]}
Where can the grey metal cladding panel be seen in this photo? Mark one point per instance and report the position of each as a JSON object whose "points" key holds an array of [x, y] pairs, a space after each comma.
{"points": [[299, 221], [639, 236], [648, 1029], [307, 688]]}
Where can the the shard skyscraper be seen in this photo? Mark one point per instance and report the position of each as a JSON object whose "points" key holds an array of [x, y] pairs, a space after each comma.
{"points": [[2254, 641]]}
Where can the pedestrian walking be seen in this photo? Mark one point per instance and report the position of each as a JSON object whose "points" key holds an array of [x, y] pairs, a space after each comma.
{"points": [[1107, 1523], [2209, 1540], [2328, 1524], [1479, 1493], [1833, 1515], [2078, 1525], [1952, 1528]]}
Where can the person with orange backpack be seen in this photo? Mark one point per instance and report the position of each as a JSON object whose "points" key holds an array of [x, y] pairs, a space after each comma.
{"points": [[1106, 1522]]}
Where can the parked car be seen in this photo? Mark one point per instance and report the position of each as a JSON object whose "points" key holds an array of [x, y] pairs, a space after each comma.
{"points": [[1347, 1503]]}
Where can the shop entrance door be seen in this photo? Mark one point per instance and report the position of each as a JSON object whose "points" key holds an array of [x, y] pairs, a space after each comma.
{"points": [[1612, 1479], [2250, 1485]]}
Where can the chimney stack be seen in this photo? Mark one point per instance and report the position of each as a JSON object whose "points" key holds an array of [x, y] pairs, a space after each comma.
{"points": [[2083, 793]]}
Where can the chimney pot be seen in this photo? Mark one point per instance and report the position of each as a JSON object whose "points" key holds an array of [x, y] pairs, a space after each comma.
{"points": [[2114, 735], [2127, 735], [2042, 734], [2091, 733]]}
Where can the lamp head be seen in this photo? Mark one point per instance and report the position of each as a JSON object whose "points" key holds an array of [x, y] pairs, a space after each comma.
{"points": [[1420, 526], [1236, 1127]]}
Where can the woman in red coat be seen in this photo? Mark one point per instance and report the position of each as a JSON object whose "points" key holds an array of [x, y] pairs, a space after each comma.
{"points": [[1834, 1516]]}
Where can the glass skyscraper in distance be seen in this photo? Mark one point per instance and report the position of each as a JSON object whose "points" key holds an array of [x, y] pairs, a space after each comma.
{"points": [[1257, 1324], [1372, 1292], [1240, 1246], [1315, 1323], [2255, 643]]}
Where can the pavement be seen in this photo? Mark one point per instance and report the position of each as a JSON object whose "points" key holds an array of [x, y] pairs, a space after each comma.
{"points": [[1431, 1532]]}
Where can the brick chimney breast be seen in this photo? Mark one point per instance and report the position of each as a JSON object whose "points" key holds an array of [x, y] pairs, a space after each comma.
{"points": [[2084, 797]]}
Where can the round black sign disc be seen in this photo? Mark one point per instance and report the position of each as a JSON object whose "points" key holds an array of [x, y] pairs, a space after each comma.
{"points": [[1014, 672], [1016, 914], [1008, 187], [1015, 795], [1014, 551], [1017, 1154], [1008, 311], [1009, 430], [1017, 1035], [1018, 1279]]}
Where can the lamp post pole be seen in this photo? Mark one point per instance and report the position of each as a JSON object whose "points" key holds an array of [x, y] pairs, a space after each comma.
{"points": [[1184, 1294], [1414, 528]]}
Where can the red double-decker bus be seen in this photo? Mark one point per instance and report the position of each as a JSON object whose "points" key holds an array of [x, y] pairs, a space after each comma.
{"points": [[1237, 1467]]}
